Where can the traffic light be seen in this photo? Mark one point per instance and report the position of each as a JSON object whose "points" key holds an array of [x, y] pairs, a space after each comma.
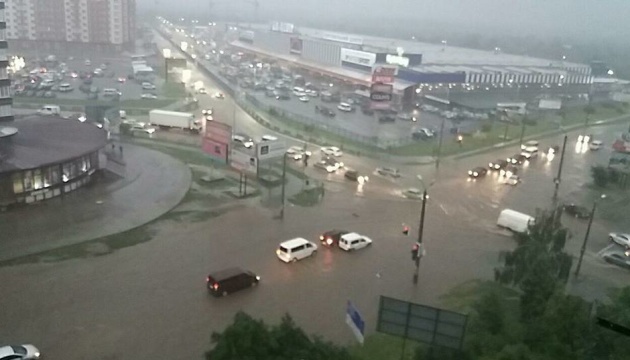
{"points": [[415, 251], [405, 230]]}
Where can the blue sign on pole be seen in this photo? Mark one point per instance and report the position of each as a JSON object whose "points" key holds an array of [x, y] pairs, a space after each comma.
{"points": [[356, 323]]}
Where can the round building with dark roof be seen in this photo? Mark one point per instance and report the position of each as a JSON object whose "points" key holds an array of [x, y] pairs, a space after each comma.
{"points": [[46, 156]]}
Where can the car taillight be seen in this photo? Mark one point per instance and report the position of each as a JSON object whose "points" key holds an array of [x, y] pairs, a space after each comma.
{"points": [[215, 286]]}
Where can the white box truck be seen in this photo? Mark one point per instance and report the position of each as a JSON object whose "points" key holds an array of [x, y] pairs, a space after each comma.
{"points": [[515, 221], [174, 119]]}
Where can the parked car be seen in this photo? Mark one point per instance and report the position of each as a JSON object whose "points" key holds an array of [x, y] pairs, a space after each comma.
{"points": [[148, 86], [412, 193], [620, 238], [423, 134], [345, 107], [577, 211], [268, 138], [148, 96]]}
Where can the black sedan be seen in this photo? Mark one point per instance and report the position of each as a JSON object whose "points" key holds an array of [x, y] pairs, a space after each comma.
{"points": [[477, 172], [331, 238], [576, 211], [620, 260], [498, 164]]}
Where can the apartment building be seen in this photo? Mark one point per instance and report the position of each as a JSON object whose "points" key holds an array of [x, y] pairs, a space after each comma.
{"points": [[104, 22], [6, 114]]}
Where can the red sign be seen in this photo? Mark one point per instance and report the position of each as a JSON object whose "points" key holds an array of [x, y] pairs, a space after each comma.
{"points": [[218, 132], [215, 149], [384, 74]]}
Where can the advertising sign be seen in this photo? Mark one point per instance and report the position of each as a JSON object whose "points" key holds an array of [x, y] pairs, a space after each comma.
{"points": [[384, 74], [270, 150], [296, 46], [422, 323], [397, 60], [550, 104], [216, 150], [243, 161], [344, 38], [381, 92], [358, 57], [282, 27], [216, 140]]}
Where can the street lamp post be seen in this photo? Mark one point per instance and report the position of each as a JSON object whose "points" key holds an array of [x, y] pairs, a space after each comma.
{"points": [[284, 177], [588, 231], [558, 178], [420, 230]]}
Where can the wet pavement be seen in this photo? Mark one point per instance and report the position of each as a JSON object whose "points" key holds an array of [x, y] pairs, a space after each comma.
{"points": [[149, 300], [153, 185]]}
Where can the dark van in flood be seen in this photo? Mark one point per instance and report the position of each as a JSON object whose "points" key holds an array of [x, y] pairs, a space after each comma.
{"points": [[227, 281]]}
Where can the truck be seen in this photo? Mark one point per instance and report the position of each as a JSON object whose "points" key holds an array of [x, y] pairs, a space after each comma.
{"points": [[515, 221], [174, 119]]}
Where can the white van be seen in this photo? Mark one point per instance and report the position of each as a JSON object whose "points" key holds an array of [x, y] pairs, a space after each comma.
{"points": [[49, 110], [295, 249], [515, 221]]}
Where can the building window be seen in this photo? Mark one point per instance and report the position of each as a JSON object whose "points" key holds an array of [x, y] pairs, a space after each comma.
{"points": [[37, 179], [28, 180], [18, 186], [5, 91]]}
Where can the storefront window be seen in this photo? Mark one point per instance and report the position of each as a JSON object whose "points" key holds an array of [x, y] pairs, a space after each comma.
{"points": [[84, 165], [28, 180], [48, 176], [66, 172], [54, 175], [18, 186], [37, 179]]}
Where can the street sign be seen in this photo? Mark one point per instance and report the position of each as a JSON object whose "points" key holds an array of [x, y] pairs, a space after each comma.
{"points": [[270, 150], [244, 161], [355, 322]]}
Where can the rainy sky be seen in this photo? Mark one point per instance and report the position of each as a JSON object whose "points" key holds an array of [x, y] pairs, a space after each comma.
{"points": [[586, 19]]}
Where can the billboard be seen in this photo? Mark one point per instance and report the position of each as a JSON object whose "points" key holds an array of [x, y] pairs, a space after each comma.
{"points": [[216, 140], [343, 38], [356, 57], [421, 323], [295, 46], [270, 150], [243, 161], [384, 74], [550, 104], [282, 27], [381, 92], [216, 150]]}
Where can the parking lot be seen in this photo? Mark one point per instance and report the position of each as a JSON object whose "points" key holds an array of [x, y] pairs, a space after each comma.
{"points": [[84, 78]]}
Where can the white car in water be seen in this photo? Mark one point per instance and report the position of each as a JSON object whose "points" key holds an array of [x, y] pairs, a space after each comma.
{"points": [[332, 151], [620, 238], [19, 352], [353, 241]]}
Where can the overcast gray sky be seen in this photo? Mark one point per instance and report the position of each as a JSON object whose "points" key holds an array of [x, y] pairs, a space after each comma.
{"points": [[567, 18]]}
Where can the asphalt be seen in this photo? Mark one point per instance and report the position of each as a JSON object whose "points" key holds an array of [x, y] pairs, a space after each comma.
{"points": [[154, 183]]}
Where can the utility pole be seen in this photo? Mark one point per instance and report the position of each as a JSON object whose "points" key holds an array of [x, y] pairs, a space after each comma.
{"points": [[284, 176], [588, 231], [439, 149], [558, 178], [420, 232]]}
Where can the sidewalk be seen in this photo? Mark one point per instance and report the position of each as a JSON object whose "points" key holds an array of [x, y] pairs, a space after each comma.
{"points": [[154, 184]]}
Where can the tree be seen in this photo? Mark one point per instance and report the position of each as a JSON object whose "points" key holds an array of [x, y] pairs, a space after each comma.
{"points": [[250, 339], [600, 175], [538, 265]]}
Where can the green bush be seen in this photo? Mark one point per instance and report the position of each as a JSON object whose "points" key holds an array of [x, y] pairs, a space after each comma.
{"points": [[486, 127], [601, 175]]}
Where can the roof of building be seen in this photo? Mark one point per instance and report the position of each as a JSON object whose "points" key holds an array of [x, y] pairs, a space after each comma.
{"points": [[46, 140]]}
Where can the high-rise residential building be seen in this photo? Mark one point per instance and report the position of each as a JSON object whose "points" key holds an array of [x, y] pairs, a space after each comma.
{"points": [[6, 114], [108, 22]]}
